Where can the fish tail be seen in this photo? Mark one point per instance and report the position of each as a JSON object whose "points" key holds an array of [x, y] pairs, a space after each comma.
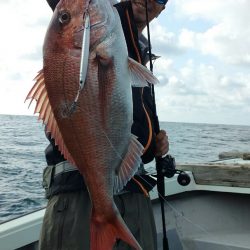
{"points": [[105, 234]]}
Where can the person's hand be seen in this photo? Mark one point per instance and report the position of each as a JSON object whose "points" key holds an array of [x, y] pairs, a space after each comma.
{"points": [[162, 143]]}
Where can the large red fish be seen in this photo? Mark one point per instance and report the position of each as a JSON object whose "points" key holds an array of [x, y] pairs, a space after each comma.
{"points": [[90, 115]]}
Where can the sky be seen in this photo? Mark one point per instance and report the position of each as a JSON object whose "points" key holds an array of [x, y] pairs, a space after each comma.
{"points": [[203, 69]]}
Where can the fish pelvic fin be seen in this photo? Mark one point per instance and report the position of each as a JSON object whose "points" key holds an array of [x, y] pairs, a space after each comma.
{"points": [[140, 75], [39, 93], [129, 165], [105, 234]]}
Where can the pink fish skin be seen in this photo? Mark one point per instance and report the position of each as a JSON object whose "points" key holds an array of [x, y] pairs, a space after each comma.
{"points": [[95, 136]]}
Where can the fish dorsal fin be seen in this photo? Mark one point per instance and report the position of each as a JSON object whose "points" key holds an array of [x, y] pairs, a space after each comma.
{"points": [[39, 93], [140, 75], [129, 165]]}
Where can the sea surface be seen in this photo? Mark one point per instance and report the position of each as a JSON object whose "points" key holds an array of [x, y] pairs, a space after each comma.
{"points": [[22, 144]]}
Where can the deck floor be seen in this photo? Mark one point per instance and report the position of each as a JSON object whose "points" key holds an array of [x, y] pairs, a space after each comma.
{"points": [[172, 236]]}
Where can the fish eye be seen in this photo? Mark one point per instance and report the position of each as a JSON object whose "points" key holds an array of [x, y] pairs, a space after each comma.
{"points": [[64, 17]]}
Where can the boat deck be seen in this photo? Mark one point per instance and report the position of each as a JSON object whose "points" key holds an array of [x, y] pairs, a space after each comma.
{"points": [[205, 220], [205, 215]]}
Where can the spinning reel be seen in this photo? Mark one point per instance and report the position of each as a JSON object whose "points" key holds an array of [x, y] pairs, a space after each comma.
{"points": [[166, 167]]}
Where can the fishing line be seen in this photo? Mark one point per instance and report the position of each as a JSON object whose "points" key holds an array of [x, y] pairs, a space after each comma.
{"points": [[157, 128], [72, 109], [173, 208], [176, 211]]}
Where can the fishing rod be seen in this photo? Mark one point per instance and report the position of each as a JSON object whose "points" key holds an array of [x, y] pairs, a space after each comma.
{"points": [[165, 166], [160, 177]]}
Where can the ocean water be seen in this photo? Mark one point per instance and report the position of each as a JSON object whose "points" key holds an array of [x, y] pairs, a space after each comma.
{"points": [[22, 144]]}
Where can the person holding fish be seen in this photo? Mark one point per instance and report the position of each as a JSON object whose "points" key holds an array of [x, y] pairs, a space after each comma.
{"points": [[80, 214]]}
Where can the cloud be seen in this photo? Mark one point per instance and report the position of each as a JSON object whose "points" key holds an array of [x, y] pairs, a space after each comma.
{"points": [[205, 60], [164, 43], [229, 34], [23, 26], [197, 90]]}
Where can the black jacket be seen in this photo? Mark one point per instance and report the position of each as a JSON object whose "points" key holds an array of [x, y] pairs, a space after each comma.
{"points": [[143, 104]]}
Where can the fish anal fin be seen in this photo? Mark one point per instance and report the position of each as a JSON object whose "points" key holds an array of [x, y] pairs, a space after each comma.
{"points": [[39, 93], [129, 165], [140, 75]]}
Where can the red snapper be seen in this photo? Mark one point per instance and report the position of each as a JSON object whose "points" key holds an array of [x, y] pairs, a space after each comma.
{"points": [[86, 105]]}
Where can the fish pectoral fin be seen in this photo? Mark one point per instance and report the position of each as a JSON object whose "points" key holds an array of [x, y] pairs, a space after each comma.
{"points": [[140, 75], [129, 165], [39, 93]]}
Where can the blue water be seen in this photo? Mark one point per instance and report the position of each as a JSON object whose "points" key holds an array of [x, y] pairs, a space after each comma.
{"points": [[22, 144]]}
